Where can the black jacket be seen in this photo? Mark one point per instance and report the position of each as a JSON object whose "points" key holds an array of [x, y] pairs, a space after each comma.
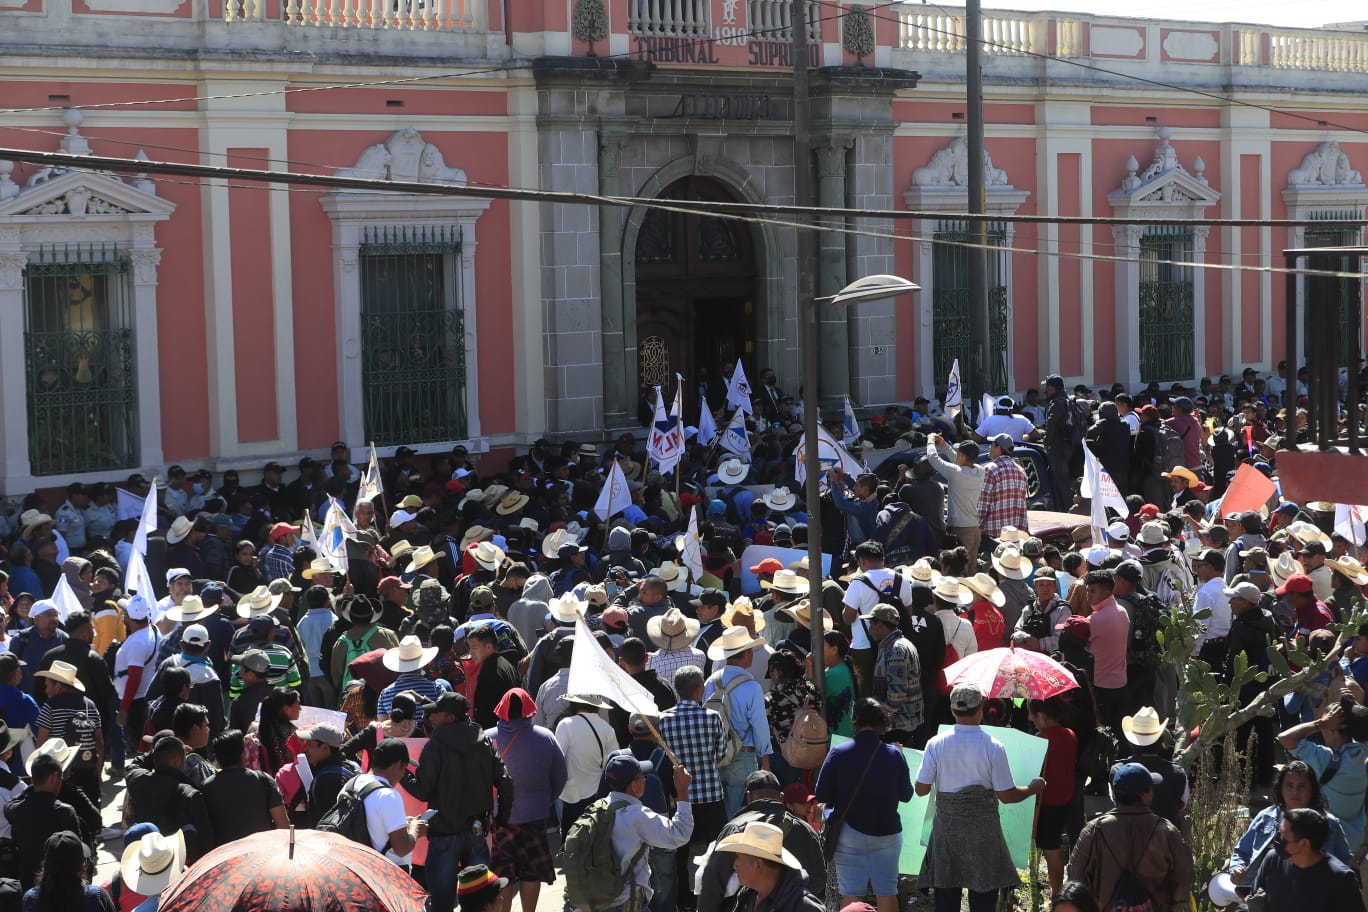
{"points": [[91, 670], [457, 773], [164, 796], [1250, 633], [497, 677], [33, 817], [790, 895], [799, 839]]}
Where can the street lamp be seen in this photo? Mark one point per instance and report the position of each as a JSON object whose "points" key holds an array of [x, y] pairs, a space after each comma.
{"points": [[870, 288]]}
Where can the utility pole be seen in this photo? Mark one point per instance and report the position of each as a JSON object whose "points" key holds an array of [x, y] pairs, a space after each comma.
{"points": [[980, 345], [808, 323]]}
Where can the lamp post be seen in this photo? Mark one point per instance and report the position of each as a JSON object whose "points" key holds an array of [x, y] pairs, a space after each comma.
{"points": [[870, 288]]}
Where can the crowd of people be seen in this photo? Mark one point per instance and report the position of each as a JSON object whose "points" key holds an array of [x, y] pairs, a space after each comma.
{"points": [[450, 615]]}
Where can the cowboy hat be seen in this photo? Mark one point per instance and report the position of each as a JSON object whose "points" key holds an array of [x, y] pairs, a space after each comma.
{"points": [[1143, 728], [9, 738], [1306, 532], [983, 585], [1284, 567], [180, 528], [316, 566], [741, 613], [1010, 534], [470, 497], [733, 641], [400, 551], [672, 630], [1350, 569], [63, 672], [672, 575], [409, 655], [489, 556], [528, 522], [760, 840], [58, 749], [493, 494], [788, 581], [1189, 476], [631, 469], [593, 700], [421, 557], [149, 865], [588, 449], [732, 471], [923, 572], [575, 530], [191, 609], [256, 603], [1153, 533], [780, 499], [475, 533], [348, 608], [1011, 565], [566, 608], [511, 503], [551, 544], [800, 613], [950, 590]]}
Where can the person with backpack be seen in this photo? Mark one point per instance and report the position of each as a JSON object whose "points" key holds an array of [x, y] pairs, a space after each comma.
{"points": [[738, 698], [1158, 449], [606, 867], [1131, 858], [327, 770], [1063, 436], [1144, 655], [364, 635], [872, 585], [370, 810]]}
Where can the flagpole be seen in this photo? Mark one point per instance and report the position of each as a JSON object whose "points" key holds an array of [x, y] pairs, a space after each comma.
{"points": [[661, 741]]}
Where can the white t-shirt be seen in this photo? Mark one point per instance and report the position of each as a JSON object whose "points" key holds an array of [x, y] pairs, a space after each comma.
{"points": [[863, 599], [1016, 425], [139, 650], [384, 814], [1132, 421]]}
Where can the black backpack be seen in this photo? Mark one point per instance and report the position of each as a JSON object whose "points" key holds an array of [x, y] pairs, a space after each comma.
{"points": [[348, 816], [1169, 452], [1147, 616], [1129, 894]]}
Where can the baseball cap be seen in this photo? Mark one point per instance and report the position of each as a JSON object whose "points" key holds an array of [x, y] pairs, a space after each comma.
{"points": [[1003, 442], [281, 528], [968, 448], [1131, 780], [768, 565], [481, 597], [261, 625], [1147, 411], [1213, 558], [716, 597], [195, 635], [965, 698], [614, 619], [1314, 547], [1130, 570], [797, 793], [1118, 531], [175, 573], [1297, 582], [1247, 591], [762, 779], [324, 732], [622, 769], [254, 660], [1076, 626], [1097, 554], [390, 583], [1289, 508], [886, 614], [596, 596], [1148, 511]]}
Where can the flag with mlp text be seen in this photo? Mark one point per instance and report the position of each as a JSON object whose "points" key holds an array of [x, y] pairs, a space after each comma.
{"points": [[739, 390], [615, 497], [954, 392], [370, 482], [850, 428], [735, 439], [829, 453], [664, 444], [592, 671]]}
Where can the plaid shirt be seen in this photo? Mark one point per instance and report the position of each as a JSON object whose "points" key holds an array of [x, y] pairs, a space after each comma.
{"points": [[665, 663], [698, 739], [276, 562], [1003, 501]]}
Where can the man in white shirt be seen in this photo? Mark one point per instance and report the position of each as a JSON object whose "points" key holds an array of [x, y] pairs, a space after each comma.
{"points": [[1211, 643], [392, 832], [133, 667], [863, 593], [1002, 421]]}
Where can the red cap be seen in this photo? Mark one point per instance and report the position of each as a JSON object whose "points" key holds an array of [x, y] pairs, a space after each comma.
{"points": [[454, 487], [614, 619], [1148, 411], [282, 528], [768, 565], [390, 583], [1297, 582], [1149, 511], [1078, 626]]}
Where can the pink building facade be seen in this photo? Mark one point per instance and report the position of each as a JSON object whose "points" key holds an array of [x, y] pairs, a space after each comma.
{"points": [[150, 319]]}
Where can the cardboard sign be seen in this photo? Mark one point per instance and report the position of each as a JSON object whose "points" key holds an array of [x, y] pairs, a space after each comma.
{"points": [[750, 585], [1250, 489]]}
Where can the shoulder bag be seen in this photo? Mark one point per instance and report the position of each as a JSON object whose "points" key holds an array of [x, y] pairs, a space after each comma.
{"points": [[831, 834]]}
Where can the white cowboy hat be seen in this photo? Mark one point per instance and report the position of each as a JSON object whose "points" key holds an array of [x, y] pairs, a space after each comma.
{"points": [[1286, 565], [1350, 568], [528, 522], [149, 865], [31, 519], [950, 590], [672, 630], [799, 613], [64, 672], [566, 608], [1010, 534], [984, 586], [788, 581], [511, 503], [733, 641], [732, 471], [1145, 727], [400, 550], [421, 557], [476, 533], [1308, 532], [760, 840], [670, 573], [191, 609], [316, 566], [493, 494], [257, 602], [550, 545], [741, 613], [1153, 533], [781, 499], [57, 748], [180, 528], [474, 495], [1011, 564], [409, 655], [488, 555]]}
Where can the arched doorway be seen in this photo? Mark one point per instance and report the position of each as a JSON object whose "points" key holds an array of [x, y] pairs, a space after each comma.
{"points": [[695, 291]]}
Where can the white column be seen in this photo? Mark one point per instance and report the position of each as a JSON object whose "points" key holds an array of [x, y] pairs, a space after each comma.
{"points": [[1127, 243], [1005, 259], [468, 313], [925, 310], [14, 402], [347, 291], [1199, 245], [145, 262]]}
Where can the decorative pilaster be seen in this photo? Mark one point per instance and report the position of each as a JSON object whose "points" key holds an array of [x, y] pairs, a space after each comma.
{"points": [[617, 372], [833, 333], [1126, 241]]}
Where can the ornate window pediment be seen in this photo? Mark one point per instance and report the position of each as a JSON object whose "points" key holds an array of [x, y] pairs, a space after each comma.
{"points": [[1165, 186], [1325, 181], [943, 183], [405, 156], [77, 195]]}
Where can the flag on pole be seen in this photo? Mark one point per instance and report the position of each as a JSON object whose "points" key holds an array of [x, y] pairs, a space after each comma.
{"points": [[593, 672], [986, 407], [665, 443], [615, 496], [954, 392], [1349, 522], [337, 527], [829, 454], [739, 390], [148, 523], [735, 439], [677, 412], [1101, 488], [137, 579], [129, 506], [850, 428], [64, 597], [707, 427], [689, 546], [308, 534], [370, 482]]}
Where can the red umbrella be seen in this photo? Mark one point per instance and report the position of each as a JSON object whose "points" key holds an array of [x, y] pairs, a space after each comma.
{"points": [[294, 871], [1008, 672]]}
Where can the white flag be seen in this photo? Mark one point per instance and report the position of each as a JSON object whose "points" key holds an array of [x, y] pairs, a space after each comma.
{"points": [[337, 527], [370, 482], [148, 524], [986, 407], [677, 412], [829, 453], [1101, 488], [954, 392], [64, 597], [689, 547], [735, 439], [707, 427], [850, 428], [739, 390], [592, 671], [1349, 522], [129, 506], [665, 443], [615, 496], [137, 579], [308, 534]]}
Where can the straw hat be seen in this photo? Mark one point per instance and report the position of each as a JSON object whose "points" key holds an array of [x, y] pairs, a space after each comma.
{"points": [[733, 641], [1143, 728], [672, 575], [1350, 568], [1153, 533], [631, 469], [493, 494], [1189, 476], [985, 587], [32, 519], [409, 655], [149, 865], [57, 748], [1010, 534], [923, 572], [1285, 566], [1011, 564], [489, 556], [64, 672], [732, 471], [788, 581], [566, 608], [255, 603], [672, 630], [180, 528], [1306, 532], [800, 613], [551, 544], [316, 566], [741, 613], [191, 609], [760, 840], [400, 551], [781, 499], [476, 533], [511, 503], [421, 557], [950, 590]]}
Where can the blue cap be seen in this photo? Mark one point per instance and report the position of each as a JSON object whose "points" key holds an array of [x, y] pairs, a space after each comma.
{"points": [[1131, 780], [717, 508], [622, 769], [137, 831], [1289, 507]]}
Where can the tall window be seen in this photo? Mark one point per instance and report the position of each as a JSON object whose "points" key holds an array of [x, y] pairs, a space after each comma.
{"points": [[951, 321], [413, 375], [1166, 305], [80, 361], [1348, 290]]}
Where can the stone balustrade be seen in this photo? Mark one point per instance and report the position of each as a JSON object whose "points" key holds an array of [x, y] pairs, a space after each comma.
{"points": [[413, 15]]}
